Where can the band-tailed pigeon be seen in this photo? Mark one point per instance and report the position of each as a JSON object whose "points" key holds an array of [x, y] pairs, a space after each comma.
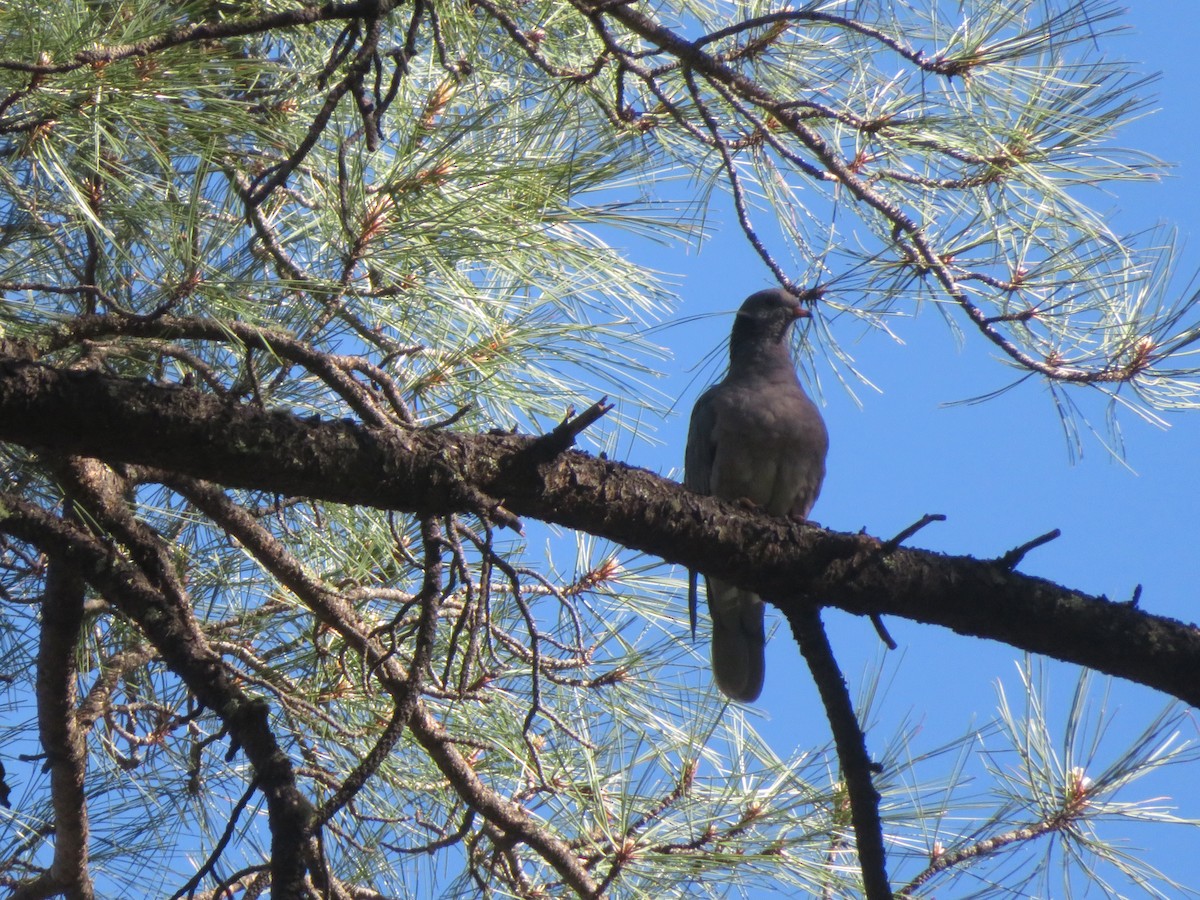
{"points": [[755, 435]]}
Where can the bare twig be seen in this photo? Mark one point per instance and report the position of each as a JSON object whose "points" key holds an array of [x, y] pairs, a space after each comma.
{"points": [[565, 433], [1013, 557], [892, 543], [214, 856]]}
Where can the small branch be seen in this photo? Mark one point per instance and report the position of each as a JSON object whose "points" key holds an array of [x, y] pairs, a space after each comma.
{"points": [[112, 671], [565, 433], [367, 767], [285, 267], [693, 600], [204, 31], [808, 15], [333, 370], [1024, 315], [264, 184], [893, 543], [406, 699], [1062, 819], [452, 418], [529, 41], [446, 840], [739, 195], [1013, 557], [890, 546], [430, 600], [209, 864], [331, 609], [881, 630], [851, 748], [51, 288]]}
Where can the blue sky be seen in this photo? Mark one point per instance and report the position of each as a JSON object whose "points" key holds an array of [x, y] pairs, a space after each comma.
{"points": [[1000, 471]]}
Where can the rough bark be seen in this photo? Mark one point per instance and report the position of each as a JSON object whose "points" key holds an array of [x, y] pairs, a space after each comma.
{"points": [[63, 738], [430, 472]]}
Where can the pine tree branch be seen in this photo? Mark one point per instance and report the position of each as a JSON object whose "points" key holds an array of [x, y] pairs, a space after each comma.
{"points": [[909, 233], [438, 472], [62, 737]]}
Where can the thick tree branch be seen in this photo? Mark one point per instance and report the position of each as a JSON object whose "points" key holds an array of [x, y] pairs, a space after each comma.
{"points": [[62, 738], [436, 472]]}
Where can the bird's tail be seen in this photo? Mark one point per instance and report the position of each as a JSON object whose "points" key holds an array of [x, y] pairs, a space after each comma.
{"points": [[738, 641]]}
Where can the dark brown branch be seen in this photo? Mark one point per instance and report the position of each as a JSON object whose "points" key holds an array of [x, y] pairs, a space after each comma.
{"points": [[429, 599], [264, 184], [740, 203], [1136, 598], [882, 631], [528, 42], [368, 766], [893, 543], [1013, 557], [887, 547], [62, 738], [851, 745], [189, 888], [915, 57], [124, 420], [446, 840], [565, 433]]}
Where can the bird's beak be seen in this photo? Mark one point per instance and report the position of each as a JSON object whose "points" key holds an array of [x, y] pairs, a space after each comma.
{"points": [[801, 312]]}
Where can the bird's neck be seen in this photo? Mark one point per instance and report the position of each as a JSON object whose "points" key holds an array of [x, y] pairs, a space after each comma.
{"points": [[760, 358]]}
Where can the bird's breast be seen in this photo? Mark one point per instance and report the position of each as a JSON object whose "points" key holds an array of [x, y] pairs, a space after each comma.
{"points": [[771, 453]]}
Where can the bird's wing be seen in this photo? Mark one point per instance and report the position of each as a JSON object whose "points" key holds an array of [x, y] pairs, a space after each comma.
{"points": [[697, 469], [803, 469], [701, 444]]}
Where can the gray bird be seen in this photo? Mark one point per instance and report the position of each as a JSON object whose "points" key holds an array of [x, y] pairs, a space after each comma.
{"points": [[756, 436]]}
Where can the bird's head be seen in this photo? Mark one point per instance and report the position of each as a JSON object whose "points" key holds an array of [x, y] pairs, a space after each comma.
{"points": [[765, 317]]}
